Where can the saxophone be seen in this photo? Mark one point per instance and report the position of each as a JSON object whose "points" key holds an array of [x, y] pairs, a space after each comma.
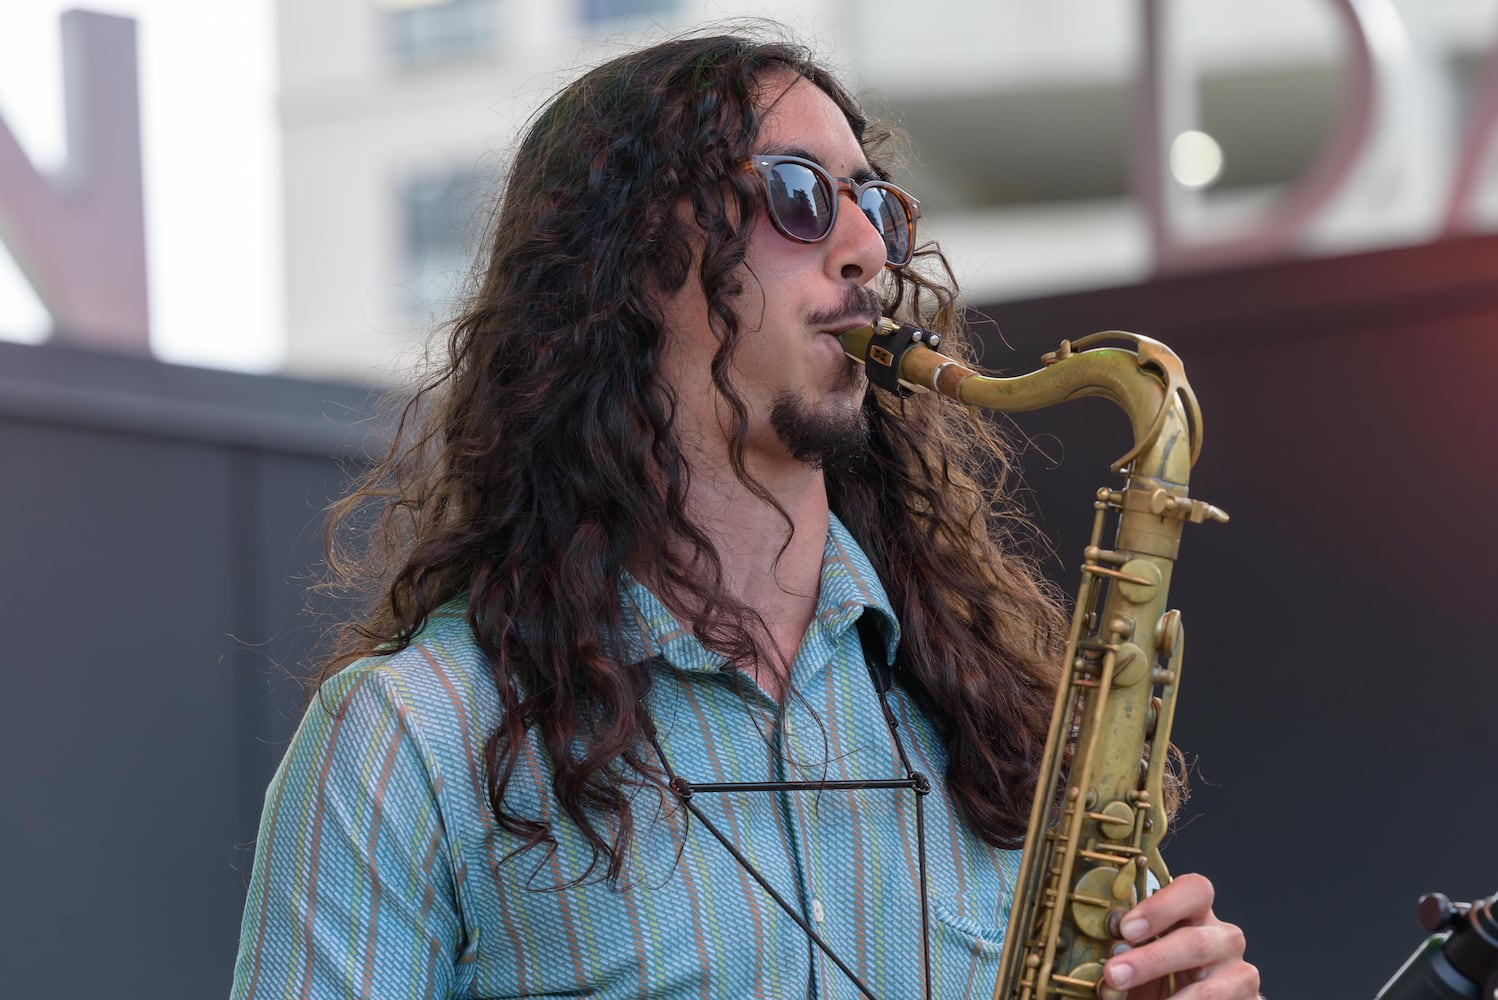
{"points": [[1091, 845]]}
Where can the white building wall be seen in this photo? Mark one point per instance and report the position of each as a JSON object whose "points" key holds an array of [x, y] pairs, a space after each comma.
{"points": [[980, 83]]}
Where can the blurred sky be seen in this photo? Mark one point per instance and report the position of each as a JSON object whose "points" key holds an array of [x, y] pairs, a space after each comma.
{"points": [[207, 72]]}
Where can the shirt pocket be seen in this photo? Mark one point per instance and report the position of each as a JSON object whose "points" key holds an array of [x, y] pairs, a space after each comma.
{"points": [[982, 936], [965, 951]]}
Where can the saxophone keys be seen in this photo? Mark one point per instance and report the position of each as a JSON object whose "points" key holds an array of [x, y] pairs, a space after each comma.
{"points": [[1092, 900], [1096, 553], [1138, 581], [1123, 891], [1087, 980], [1163, 503], [1130, 665], [1185, 508], [1168, 632], [1208, 513], [1116, 820]]}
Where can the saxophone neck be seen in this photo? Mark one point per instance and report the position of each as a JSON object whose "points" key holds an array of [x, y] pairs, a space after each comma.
{"points": [[1141, 376]]}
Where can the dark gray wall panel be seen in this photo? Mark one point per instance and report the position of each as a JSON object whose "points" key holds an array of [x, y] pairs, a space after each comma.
{"points": [[119, 730], [159, 526]]}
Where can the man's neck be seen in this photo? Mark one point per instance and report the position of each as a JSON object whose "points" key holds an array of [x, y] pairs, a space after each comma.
{"points": [[770, 566], [749, 535]]}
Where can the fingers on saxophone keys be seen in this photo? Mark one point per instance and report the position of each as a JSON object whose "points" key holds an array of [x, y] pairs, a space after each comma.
{"points": [[1197, 953], [1186, 900]]}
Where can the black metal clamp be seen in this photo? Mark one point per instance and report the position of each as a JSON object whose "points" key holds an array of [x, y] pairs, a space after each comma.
{"points": [[887, 349]]}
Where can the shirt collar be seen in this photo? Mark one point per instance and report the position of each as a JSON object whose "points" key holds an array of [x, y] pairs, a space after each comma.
{"points": [[848, 587]]}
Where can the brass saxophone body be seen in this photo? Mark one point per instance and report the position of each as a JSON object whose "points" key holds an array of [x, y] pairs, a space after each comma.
{"points": [[1099, 812]]}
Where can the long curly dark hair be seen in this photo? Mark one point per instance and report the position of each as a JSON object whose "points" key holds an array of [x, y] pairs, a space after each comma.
{"points": [[538, 462]]}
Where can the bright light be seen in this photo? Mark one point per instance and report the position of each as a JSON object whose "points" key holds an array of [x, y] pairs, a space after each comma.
{"points": [[1195, 159]]}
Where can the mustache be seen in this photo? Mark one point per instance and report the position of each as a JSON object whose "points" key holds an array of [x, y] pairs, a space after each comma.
{"points": [[858, 303]]}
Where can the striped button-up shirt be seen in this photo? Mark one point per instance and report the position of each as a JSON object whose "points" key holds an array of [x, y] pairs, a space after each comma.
{"points": [[381, 872]]}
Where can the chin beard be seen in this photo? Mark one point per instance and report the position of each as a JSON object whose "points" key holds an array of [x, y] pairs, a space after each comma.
{"points": [[828, 436]]}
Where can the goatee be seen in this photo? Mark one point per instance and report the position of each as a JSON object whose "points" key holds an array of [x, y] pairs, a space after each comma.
{"points": [[826, 436]]}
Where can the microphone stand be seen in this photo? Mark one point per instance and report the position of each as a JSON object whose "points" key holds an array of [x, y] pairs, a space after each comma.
{"points": [[1458, 960]]}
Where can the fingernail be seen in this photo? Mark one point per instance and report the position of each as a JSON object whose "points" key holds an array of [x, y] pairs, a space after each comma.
{"points": [[1120, 973], [1134, 928]]}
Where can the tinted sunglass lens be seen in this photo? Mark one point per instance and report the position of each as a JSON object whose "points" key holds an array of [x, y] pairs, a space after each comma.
{"points": [[885, 210], [801, 202]]}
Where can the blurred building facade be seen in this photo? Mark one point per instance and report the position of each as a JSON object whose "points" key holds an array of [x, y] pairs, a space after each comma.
{"points": [[399, 115]]}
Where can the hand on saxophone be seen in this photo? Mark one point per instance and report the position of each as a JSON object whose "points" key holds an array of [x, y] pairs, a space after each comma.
{"points": [[1175, 931]]}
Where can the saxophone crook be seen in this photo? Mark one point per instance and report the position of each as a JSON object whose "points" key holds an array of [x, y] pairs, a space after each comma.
{"points": [[1099, 810]]}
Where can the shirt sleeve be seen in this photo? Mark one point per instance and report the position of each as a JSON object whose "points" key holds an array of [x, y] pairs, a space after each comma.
{"points": [[352, 893]]}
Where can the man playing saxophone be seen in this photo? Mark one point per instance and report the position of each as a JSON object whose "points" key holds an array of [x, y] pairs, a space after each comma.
{"points": [[667, 606]]}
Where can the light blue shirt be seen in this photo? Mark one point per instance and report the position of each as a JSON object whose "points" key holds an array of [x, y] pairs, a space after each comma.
{"points": [[381, 872]]}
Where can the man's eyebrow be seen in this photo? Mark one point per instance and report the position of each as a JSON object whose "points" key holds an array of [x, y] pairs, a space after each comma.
{"points": [[860, 175]]}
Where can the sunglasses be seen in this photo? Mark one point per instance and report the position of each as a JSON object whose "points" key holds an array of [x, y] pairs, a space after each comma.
{"points": [[803, 200]]}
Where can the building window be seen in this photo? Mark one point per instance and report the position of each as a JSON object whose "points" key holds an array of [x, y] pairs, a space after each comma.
{"points": [[600, 11], [423, 32], [443, 216]]}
